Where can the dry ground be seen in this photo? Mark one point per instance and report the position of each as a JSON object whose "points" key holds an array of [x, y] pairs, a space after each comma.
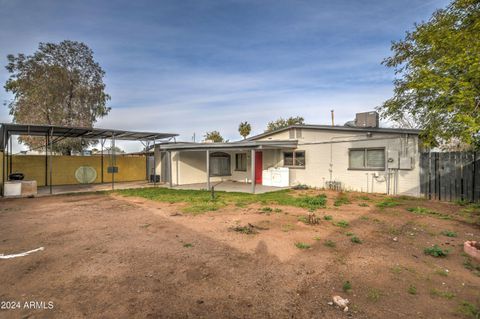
{"points": [[109, 256]]}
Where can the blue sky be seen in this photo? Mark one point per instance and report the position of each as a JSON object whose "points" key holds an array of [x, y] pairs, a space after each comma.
{"points": [[193, 66]]}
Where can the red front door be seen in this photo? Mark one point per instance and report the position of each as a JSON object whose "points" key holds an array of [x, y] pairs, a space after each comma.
{"points": [[258, 167]]}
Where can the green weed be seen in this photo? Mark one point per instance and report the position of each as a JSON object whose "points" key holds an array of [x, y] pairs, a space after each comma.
{"points": [[347, 286], [387, 202], [468, 309], [443, 294], [412, 290], [374, 294], [342, 199], [425, 211], [302, 245], [436, 251], [330, 243], [356, 240], [328, 217], [341, 223], [449, 233]]}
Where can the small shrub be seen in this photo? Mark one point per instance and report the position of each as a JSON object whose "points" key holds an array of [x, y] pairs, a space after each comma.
{"points": [[425, 211], [330, 243], [187, 245], [374, 295], [363, 197], [341, 223], [436, 251], [397, 269], [310, 219], [412, 290], [469, 309], [317, 238], [248, 230], [347, 286], [266, 210], [328, 217], [449, 233], [277, 210], [387, 202], [364, 218], [301, 187], [356, 240], [349, 234], [342, 199], [302, 245], [441, 272], [312, 202], [443, 294], [363, 205]]}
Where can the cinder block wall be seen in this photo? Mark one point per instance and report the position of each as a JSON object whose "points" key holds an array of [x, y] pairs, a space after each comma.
{"points": [[130, 168]]}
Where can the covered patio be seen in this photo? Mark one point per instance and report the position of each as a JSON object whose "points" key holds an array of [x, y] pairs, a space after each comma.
{"points": [[236, 166]]}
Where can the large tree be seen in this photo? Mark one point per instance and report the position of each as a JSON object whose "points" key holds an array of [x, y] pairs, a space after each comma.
{"points": [[214, 136], [281, 123], [60, 84], [438, 76], [244, 129]]}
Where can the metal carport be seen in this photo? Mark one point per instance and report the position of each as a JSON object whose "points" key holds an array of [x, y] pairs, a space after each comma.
{"points": [[54, 134]]}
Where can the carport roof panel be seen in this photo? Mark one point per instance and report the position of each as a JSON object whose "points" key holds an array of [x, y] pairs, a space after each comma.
{"points": [[70, 131]]}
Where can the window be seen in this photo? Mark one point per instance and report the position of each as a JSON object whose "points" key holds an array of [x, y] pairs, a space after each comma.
{"points": [[294, 159], [241, 162], [367, 158], [220, 164]]}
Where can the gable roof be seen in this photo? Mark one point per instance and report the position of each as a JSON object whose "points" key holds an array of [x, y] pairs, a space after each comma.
{"points": [[339, 128]]}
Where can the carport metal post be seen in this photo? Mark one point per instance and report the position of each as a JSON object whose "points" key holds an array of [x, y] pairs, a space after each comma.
{"points": [[102, 143], [46, 159], [208, 169], [252, 152], [3, 162], [50, 140], [112, 168]]}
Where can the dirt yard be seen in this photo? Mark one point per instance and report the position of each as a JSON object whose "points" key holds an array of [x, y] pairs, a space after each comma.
{"points": [[111, 256]]}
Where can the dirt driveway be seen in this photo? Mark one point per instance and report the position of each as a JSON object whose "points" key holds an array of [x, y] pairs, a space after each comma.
{"points": [[108, 256]]}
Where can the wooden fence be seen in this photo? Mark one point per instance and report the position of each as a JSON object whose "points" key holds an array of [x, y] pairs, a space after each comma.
{"points": [[450, 176]]}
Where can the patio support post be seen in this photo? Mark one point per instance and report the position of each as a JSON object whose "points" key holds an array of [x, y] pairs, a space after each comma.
{"points": [[208, 169], [252, 155], [170, 175], [154, 165], [50, 168], [10, 153]]}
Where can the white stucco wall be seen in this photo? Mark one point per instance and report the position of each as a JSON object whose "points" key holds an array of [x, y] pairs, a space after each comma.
{"points": [[329, 149]]}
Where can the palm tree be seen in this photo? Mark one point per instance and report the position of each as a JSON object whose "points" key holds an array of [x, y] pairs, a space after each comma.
{"points": [[244, 129]]}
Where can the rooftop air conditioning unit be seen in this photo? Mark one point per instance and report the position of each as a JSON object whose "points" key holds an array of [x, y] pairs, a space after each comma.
{"points": [[367, 119]]}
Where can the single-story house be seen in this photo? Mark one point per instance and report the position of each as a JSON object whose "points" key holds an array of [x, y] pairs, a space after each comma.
{"points": [[359, 156]]}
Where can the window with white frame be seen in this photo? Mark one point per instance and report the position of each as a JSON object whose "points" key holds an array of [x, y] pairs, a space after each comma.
{"points": [[366, 158], [294, 159]]}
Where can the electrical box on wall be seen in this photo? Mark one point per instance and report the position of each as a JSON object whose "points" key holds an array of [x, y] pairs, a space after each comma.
{"points": [[406, 162], [392, 159]]}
